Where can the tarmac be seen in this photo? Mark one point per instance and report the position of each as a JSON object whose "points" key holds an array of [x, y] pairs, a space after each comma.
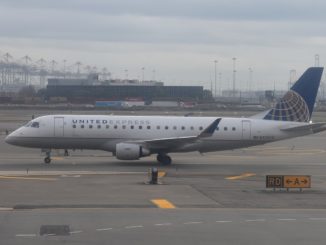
{"points": [[90, 197]]}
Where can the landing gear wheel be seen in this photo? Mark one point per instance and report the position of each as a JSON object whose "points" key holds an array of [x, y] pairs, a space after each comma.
{"points": [[164, 159], [47, 160]]}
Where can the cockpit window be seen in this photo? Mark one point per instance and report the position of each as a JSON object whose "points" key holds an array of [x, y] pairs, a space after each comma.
{"points": [[35, 125], [28, 124]]}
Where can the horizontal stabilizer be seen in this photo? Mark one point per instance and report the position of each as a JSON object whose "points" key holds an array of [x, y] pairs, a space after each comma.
{"points": [[314, 127]]}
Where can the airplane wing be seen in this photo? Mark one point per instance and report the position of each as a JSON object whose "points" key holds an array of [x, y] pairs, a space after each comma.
{"points": [[314, 127], [176, 142]]}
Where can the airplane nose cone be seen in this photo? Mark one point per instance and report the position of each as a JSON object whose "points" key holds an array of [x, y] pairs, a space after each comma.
{"points": [[9, 139], [15, 138]]}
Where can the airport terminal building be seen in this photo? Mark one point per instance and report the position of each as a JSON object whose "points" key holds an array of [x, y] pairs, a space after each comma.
{"points": [[91, 89]]}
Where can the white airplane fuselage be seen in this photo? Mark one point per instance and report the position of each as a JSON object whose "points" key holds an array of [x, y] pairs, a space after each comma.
{"points": [[103, 132], [133, 137]]}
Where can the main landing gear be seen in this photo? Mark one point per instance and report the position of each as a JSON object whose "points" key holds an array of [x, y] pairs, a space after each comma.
{"points": [[164, 159]]}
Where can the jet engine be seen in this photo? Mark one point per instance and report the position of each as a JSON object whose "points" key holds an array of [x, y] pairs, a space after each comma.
{"points": [[128, 151]]}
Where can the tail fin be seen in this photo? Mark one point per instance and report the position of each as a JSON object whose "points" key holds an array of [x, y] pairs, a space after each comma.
{"points": [[298, 103]]}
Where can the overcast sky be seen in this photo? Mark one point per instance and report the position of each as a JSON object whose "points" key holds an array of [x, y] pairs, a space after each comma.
{"points": [[179, 39]]}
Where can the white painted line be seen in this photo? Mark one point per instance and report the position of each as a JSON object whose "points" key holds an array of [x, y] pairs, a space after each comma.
{"points": [[317, 218], [71, 173], [75, 232], [25, 235], [104, 229], [255, 220], [70, 176], [162, 224], [193, 222], [134, 226], [50, 234], [286, 219], [223, 221], [6, 209]]}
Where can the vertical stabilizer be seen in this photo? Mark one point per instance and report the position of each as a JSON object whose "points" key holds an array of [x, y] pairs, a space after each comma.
{"points": [[298, 103]]}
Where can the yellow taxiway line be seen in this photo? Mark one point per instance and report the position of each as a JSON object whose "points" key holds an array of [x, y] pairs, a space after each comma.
{"points": [[162, 203], [26, 178], [161, 174], [242, 176], [57, 158]]}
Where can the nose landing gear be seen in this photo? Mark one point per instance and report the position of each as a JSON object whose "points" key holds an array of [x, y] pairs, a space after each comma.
{"points": [[47, 159], [66, 154]]}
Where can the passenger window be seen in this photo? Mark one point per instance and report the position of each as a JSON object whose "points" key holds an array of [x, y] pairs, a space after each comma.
{"points": [[123, 126], [225, 128], [191, 128], [217, 129], [200, 128], [158, 127], [132, 126], [115, 126], [175, 127], [140, 127], [98, 126], [107, 126], [148, 127], [233, 128], [74, 126], [35, 125], [82, 126], [183, 128], [166, 127], [90, 126]]}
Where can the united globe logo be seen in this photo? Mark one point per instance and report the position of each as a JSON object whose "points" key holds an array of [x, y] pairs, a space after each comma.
{"points": [[291, 107]]}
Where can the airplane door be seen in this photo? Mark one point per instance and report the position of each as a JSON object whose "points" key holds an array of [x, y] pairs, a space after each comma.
{"points": [[246, 130], [58, 127]]}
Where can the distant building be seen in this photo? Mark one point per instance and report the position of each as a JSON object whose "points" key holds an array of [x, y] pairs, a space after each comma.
{"points": [[132, 82], [91, 89], [92, 79]]}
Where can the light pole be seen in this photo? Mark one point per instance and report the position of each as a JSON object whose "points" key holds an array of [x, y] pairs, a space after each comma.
{"points": [[154, 74], [234, 71], [316, 60], [126, 73], [143, 73], [220, 83], [292, 78], [64, 68], [250, 79], [215, 63], [78, 63]]}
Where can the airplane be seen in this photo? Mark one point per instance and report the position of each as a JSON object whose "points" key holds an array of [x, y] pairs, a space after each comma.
{"points": [[134, 137]]}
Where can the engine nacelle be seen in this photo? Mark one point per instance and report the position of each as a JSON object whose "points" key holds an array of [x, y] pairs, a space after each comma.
{"points": [[128, 151]]}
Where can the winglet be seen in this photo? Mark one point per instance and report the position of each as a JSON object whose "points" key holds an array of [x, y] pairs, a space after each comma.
{"points": [[210, 129]]}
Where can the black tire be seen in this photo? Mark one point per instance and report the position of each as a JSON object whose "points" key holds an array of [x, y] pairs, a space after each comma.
{"points": [[47, 160], [159, 158]]}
